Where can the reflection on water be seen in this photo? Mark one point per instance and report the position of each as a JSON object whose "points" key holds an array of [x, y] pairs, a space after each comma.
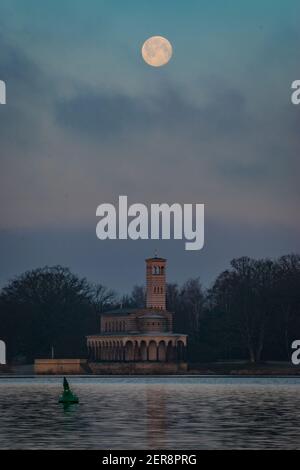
{"points": [[156, 419], [151, 413]]}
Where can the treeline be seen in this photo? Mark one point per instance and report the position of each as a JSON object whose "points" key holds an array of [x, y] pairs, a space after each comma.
{"points": [[50, 308], [251, 312]]}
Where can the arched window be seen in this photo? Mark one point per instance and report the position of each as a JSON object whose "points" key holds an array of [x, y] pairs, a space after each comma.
{"points": [[157, 270]]}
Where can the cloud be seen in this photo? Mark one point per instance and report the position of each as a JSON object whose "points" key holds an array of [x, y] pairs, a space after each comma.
{"points": [[109, 115], [215, 127], [29, 94]]}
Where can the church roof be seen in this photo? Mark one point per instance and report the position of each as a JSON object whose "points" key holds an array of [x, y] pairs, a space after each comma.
{"points": [[126, 311], [120, 311], [152, 315]]}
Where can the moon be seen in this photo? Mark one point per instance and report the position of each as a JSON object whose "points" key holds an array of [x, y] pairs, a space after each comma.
{"points": [[157, 51]]}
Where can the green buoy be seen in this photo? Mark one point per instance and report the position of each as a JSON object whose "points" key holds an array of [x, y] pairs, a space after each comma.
{"points": [[68, 396]]}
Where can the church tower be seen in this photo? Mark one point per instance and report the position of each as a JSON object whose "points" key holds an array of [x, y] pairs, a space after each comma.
{"points": [[156, 283]]}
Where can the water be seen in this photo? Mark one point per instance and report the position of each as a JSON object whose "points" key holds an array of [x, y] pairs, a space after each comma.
{"points": [[151, 413]]}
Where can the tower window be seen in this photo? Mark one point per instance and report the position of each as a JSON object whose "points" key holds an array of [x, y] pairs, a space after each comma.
{"points": [[157, 270]]}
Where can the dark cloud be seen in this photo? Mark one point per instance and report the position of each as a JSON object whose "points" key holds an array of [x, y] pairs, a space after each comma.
{"points": [[16, 67], [29, 93], [120, 264], [109, 115]]}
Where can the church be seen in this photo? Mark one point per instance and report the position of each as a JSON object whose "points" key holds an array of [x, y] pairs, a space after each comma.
{"points": [[140, 340]]}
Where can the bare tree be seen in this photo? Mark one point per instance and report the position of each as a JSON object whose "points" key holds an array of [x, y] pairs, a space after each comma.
{"points": [[102, 297]]}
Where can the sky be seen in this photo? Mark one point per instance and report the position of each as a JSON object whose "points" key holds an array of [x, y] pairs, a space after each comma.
{"points": [[87, 120]]}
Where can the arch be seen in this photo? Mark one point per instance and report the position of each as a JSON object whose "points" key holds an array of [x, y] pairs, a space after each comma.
{"points": [[161, 352], [88, 347], [110, 351], [136, 353], [99, 350], [143, 351], [152, 351], [91, 350], [180, 350], [157, 270], [129, 351], [105, 351], [170, 352], [122, 351], [118, 351]]}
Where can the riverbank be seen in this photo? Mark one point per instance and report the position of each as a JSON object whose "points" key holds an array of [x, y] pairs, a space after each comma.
{"points": [[281, 369], [244, 369]]}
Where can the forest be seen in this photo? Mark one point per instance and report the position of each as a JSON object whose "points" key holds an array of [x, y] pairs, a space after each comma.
{"points": [[251, 312]]}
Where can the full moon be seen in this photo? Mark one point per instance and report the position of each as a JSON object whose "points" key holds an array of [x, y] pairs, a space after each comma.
{"points": [[157, 51]]}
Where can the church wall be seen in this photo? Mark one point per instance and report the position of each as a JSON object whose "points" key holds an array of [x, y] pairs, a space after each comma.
{"points": [[60, 366], [125, 323], [143, 368]]}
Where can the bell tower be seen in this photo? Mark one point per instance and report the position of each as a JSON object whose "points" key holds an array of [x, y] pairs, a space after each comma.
{"points": [[156, 283]]}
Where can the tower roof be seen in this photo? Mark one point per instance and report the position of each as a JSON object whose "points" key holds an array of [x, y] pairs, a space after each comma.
{"points": [[155, 258]]}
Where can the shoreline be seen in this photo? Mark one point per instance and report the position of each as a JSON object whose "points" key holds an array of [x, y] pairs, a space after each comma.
{"points": [[196, 370], [136, 376]]}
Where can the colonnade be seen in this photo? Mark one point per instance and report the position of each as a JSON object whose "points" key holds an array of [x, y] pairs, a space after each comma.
{"points": [[136, 350]]}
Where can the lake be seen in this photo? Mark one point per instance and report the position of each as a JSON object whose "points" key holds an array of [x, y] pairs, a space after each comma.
{"points": [[151, 413]]}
